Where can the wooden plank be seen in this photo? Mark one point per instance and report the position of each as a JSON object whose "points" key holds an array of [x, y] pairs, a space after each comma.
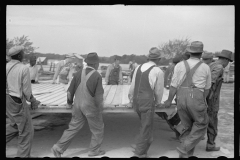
{"points": [[49, 87], [125, 91], [48, 94], [42, 86], [111, 95], [59, 101], [117, 100], [54, 98], [106, 91]]}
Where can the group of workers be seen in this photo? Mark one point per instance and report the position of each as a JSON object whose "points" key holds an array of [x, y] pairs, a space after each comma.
{"points": [[196, 85]]}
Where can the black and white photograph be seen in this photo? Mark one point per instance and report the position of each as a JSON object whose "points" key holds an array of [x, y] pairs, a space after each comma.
{"points": [[120, 81]]}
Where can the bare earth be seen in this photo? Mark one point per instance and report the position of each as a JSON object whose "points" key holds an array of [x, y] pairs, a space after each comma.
{"points": [[120, 131]]}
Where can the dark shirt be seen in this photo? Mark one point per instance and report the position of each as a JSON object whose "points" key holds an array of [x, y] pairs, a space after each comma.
{"points": [[94, 86]]}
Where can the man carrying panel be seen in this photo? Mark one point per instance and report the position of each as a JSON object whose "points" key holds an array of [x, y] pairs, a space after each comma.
{"points": [[87, 89], [191, 82], [18, 91], [114, 73], [217, 69], [145, 94]]}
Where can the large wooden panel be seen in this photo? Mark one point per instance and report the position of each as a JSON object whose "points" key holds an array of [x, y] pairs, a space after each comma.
{"points": [[61, 95], [106, 91], [111, 95], [117, 100]]}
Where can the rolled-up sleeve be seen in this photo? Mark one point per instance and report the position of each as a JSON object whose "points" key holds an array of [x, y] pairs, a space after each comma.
{"points": [[209, 79], [26, 84], [159, 86], [176, 76], [71, 90]]}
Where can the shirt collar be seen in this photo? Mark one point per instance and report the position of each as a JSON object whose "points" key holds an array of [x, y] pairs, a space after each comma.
{"points": [[193, 58], [90, 67], [151, 62]]}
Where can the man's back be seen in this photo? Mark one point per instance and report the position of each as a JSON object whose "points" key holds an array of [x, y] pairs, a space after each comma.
{"points": [[17, 77], [201, 78]]}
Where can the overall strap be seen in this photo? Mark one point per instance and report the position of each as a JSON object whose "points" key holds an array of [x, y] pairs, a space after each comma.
{"points": [[189, 74], [7, 75], [193, 70]]}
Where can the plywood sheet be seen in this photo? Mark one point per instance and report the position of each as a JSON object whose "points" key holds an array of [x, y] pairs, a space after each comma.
{"points": [[111, 95], [106, 91], [117, 100]]}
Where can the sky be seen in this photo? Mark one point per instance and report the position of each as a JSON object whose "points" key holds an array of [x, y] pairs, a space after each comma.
{"points": [[118, 29]]}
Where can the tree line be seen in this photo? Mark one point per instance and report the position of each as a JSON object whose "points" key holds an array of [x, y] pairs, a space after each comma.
{"points": [[169, 50]]}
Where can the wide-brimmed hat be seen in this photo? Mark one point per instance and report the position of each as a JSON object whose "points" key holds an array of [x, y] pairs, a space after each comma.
{"points": [[15, 50], [195, 47], [74, 55], [226, 54], [92, 58], [207, 55], [154, 53]]}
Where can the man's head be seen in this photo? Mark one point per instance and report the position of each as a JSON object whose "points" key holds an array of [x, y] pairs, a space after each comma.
{"points": [[16, 53], [117, 60], [92, 60], [195, 49], [154, 55], [33, 60], [207, 57], [225, 57], [186, 56], [176, 59]]}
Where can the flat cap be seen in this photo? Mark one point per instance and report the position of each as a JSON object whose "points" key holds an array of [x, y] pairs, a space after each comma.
{"points": [[207, 55], [15, 50]]}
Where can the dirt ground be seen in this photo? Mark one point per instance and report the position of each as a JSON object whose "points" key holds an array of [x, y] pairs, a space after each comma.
{"points": [[120, 131]]}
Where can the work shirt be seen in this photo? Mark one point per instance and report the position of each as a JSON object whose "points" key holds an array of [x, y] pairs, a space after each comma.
{"points": [[216, 70], [168, 75], [33, 72], [226, 69], [201, 78], [109, 69], [18, 79], [94, 85], [156, 81]]}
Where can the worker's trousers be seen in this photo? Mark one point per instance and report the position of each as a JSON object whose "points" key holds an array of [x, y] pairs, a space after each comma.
{"points": [[96, 125], [20, 126], [145, 111], [192, 110]]}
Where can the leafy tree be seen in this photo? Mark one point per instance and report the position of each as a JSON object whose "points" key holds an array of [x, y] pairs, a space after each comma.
{"points": [[173, 47], [24, 41]]}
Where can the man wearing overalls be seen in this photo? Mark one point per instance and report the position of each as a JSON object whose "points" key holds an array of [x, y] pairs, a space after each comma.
{"points": [[191, 82], [18, 90], [145, 93], [114, 73], [87, 87], [217, 69]]}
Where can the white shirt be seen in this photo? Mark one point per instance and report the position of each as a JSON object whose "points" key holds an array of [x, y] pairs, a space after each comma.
{"points": [[201, 78], [156, 81]]}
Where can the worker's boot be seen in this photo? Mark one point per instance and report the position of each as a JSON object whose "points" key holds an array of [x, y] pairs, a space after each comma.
{"points": [[55, 152], [211, 149], [99, 153]]}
